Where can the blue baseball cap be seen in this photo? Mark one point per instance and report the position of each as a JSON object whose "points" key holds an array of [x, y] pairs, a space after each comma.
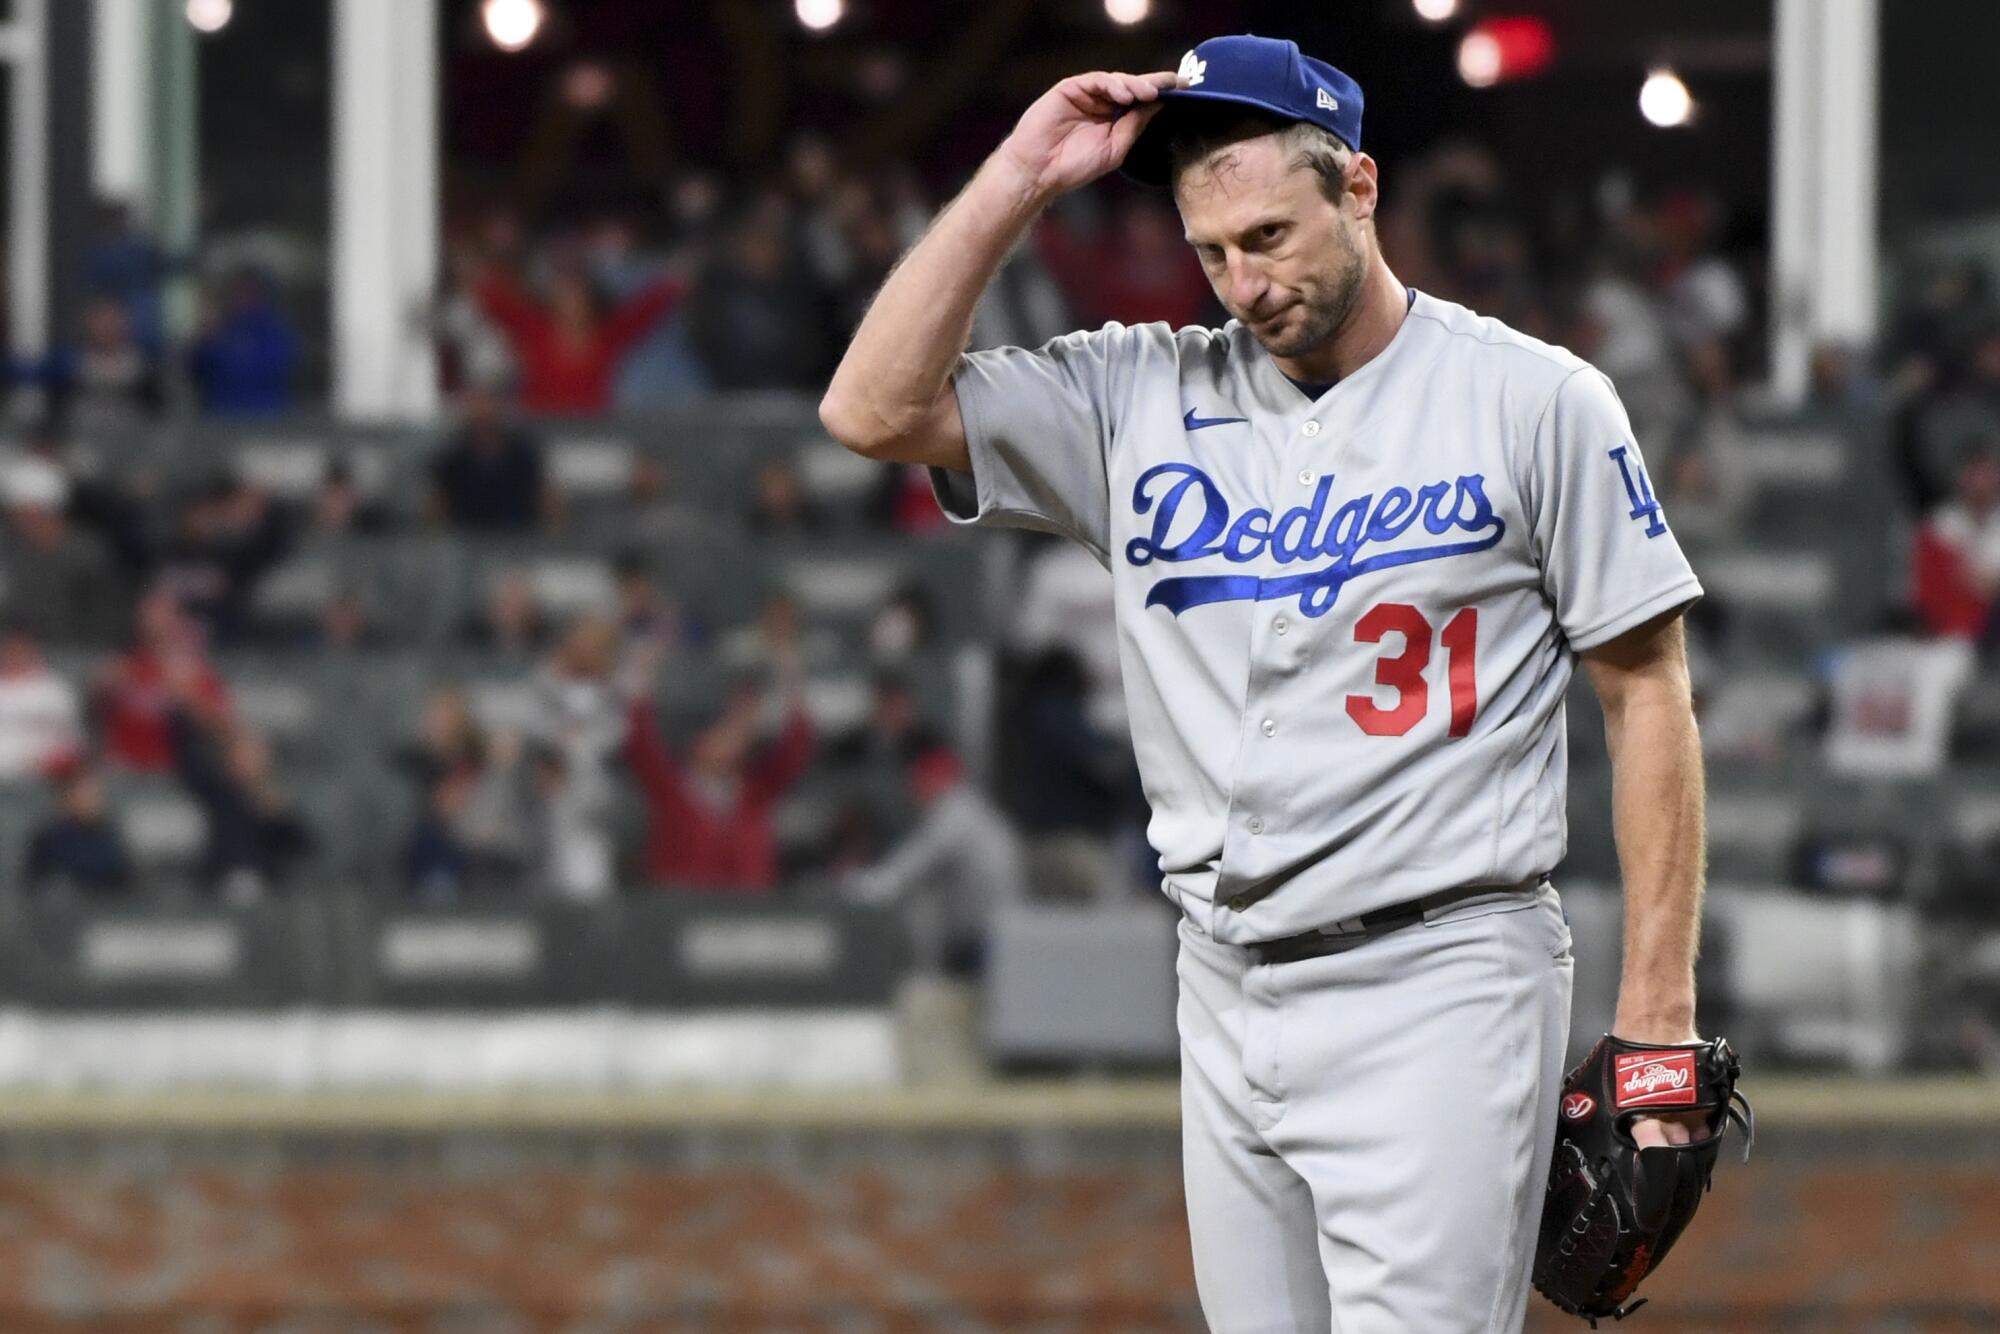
{"points": [[1266, 73]]}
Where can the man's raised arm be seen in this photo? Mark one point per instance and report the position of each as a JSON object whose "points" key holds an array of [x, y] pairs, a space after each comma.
{"points": [[891, 397]]}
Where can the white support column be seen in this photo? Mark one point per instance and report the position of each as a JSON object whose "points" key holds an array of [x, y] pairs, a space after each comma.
{"points": [[1824, 168], [385, 206], [24, 48], [1849, 119], [121, 99]]}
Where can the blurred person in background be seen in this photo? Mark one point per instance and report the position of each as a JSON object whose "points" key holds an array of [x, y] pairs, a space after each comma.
{"points": [[903, 626], [576, 736], [347, 623], [61, 584], [708, 817], [490, 476], [41, 717], [902, 502], [109, 379], [660, 368], [436, 867], [779, 634], [650, 510], [1623, 332], [960, 864], [823, 200], [479, 824], [128, 266], [757, 319], [448, 740], [1705, 298], [1070, 782], [1933, 355], [255, 836], [1065, 603], [114, 504], [340, 510], [646, 612], [227, 538], [1138, 269], [779, 505], [1842, 380], [1023, 307], [78, 849], [872, 247], [1955, 568], [566, 349], [246, 358], [133, 697], [510, 624], [895, 732]]}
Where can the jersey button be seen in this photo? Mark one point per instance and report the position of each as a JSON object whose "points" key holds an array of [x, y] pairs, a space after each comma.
{"points": [[1256, 824], [1307, 477], [1309, 429], [1239, 902], [1270, 728], [1281, 625]]}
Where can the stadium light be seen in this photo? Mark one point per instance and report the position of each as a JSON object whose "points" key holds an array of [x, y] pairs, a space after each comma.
{"points": [[1665, 101], [819, 15], [513, 24], [1125, 13], [1435, 11], [1501, 50], [210, 15], [1479, 59]]}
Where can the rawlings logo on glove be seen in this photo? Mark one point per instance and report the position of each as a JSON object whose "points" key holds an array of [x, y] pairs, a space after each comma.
{"points": [[1656, 1079]]}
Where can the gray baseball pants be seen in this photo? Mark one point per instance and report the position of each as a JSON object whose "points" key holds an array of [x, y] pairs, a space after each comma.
{"points": [[1366, 1133]]}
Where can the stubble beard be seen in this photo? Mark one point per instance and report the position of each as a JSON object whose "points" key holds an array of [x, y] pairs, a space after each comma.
{"points": [[1327, 304]]}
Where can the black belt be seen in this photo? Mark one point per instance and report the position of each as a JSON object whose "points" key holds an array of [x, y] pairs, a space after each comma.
{"points": [[1333, 940]]}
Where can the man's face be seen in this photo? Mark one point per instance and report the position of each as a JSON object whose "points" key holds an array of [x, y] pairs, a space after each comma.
{"points": [[1283, 258], [1979, 483]]}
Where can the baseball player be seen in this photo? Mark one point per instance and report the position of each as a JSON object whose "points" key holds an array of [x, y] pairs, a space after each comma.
{"points": [[1359, 537]]}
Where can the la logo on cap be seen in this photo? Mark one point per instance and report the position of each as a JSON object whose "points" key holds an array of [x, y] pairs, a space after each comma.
{"points": [[1191, 70], [1325, 100]]}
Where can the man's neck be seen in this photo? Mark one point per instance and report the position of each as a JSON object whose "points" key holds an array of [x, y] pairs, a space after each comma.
{"points": [[1382, 307]]}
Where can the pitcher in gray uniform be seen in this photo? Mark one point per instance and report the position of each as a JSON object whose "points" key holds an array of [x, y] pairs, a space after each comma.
{"points": [[1359, 537]]}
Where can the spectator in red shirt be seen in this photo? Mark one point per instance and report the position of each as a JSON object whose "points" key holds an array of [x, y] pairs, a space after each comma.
{"points": [[709, 821], [1956, 565], [568, 350], [134, 698]]}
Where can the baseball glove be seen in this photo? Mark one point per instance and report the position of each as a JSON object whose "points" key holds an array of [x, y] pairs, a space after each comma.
{"points": [[1613, 1209]]}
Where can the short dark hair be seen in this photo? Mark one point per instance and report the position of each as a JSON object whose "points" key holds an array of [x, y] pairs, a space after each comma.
{"points": [[1192, 138]]}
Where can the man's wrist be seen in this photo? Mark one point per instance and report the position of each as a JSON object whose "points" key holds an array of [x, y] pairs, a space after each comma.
{"points": [[1016, 187], [1670, 1023]]}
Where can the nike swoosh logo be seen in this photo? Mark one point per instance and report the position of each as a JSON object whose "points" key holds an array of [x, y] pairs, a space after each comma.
{"points": [[1194, 423]]}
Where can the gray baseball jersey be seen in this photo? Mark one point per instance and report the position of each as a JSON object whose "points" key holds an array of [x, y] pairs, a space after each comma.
{"points": [[1345, 625]]}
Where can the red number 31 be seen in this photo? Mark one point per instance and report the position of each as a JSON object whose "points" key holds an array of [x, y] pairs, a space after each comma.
{"points": [[1404, 672]]}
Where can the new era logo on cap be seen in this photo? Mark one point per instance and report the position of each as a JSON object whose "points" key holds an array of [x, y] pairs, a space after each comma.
{"points": [[1325, 101]]}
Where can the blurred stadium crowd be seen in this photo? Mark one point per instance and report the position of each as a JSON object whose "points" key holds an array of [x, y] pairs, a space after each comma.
{"points": [[592, 665]]}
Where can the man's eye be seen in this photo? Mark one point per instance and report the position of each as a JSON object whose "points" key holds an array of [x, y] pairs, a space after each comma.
{"points": [[1270, 231]]}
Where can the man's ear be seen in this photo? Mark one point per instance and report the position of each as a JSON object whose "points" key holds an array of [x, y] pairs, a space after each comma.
{"points": [[1362, 186]]}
